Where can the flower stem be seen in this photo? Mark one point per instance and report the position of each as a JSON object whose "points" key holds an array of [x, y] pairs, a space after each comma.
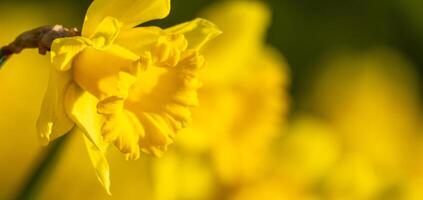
{"points": [[38, 176], [4, 55], [40, 38]]}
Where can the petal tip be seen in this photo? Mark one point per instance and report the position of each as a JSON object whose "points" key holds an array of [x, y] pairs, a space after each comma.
{"points": [[212, 28]]}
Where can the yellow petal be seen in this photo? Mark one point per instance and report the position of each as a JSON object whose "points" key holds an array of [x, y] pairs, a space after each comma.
{"points": [[197, 32], [99, 161], [162, 48], [129, 12], [81, 107], [139, 40], [63, 50], [53, 121], [105, 73], [159, 133], [166, 52], [106, 32], [124, 129], [120, 126], [167, 46]]}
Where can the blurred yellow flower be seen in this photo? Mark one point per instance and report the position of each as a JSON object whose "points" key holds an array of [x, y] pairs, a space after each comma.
{"points": [[364, 145], [371, 100], [414, 184], [133, 87], [243, 104], [367, 144], [305, 155], [181, 175], [308, 151]]}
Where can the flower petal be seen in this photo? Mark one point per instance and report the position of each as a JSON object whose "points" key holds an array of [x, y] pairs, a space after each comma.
{"points": [[105, 73], [124, 129], [53, 121], [165, 47], [129, 12], [139, 40], [106, 32], [120, 126], [99, 161], [154, 45], [197, 32], [63, 50], [159, 135], [81, 106]]}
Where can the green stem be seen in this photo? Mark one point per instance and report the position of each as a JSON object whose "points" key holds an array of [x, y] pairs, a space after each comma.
{"points": [[35, 180]]}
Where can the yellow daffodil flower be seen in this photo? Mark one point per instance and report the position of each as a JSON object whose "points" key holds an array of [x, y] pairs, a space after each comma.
{"points": [[133, 87]]}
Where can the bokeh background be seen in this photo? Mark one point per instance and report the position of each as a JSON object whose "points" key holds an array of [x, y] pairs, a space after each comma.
{"points": [[353, 131]]}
